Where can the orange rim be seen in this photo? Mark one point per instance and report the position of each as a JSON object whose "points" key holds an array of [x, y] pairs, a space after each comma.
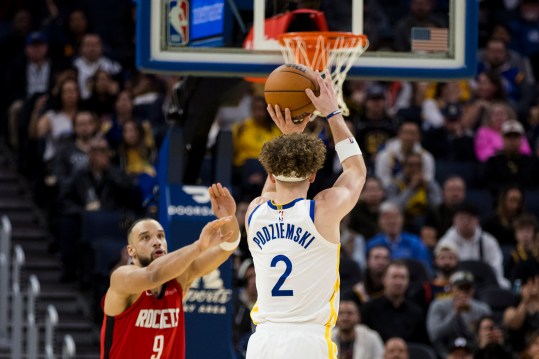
{"points": [[312, 48], [311, 37]]}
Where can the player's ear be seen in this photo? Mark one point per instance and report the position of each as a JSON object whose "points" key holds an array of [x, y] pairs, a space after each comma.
{"points": [[272, 178], [312, 177], [130, 251]]}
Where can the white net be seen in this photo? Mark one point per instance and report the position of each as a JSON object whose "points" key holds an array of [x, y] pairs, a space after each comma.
{"points": [[326, 50]]}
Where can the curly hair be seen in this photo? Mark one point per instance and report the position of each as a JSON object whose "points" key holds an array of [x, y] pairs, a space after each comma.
{"points": [[294, 155]]}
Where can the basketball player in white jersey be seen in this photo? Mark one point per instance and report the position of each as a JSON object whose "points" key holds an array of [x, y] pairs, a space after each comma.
{"points": [[295, 242]]}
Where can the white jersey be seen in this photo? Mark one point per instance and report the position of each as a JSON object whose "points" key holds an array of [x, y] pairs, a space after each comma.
{"points": [[297, 270]]}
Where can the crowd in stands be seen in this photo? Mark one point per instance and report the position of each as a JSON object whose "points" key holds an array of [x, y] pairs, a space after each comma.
{"points": [[441, 253]]}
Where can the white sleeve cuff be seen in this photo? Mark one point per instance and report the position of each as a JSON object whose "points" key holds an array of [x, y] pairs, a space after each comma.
{"points": [[347, 148], [230, 246]]}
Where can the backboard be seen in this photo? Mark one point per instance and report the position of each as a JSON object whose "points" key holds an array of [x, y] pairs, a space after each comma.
{"points": [[413, 39]]}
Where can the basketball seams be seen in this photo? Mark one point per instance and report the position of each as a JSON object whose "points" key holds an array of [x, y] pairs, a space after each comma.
{"points": [[286, 87], [298, 82], [314, 85], [295, 108]]}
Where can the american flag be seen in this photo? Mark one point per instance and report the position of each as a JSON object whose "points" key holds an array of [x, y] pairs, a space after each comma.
{"points": [[429, 39]]}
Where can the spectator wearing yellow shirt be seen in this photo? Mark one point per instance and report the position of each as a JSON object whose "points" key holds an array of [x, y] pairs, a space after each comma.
{"points": [[248, 137]]}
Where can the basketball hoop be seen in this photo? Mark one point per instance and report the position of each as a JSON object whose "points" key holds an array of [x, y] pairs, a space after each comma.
{"points": [[335, 51]]}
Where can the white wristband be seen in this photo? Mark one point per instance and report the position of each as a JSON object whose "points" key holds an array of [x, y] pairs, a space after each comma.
{"points": [[230, 246], [347, 148]]}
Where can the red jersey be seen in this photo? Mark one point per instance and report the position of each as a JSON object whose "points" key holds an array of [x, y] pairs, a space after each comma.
{"points": [[152, 328]]}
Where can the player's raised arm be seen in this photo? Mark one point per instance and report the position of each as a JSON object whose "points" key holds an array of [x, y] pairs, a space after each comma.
{"points": [[153, 267], [345, 192], [223, 206]]}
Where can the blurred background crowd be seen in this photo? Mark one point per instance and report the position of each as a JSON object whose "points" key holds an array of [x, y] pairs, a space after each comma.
{"points": [[440, 254]]}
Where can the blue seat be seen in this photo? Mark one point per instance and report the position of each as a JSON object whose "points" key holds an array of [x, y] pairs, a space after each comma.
{"points": [[103, 231], [418, 273], [484, 276], [252, 169], [421, 351], [206, 171], [482, 199], [107, 252], [104, 235], [100, 225], [467, 170], [498, 299], [244, 4], [252, 166], [532, 202], [418, 276]]}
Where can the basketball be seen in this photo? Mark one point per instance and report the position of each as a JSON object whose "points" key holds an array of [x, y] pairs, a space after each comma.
{"points": [[285, 87]]}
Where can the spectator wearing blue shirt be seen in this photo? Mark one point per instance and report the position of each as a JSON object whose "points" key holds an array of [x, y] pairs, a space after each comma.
{"points": [[402, 245], [525, 32], [517, 87]]}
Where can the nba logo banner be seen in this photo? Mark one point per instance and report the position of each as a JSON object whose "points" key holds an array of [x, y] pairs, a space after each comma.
{"points": [[178, 22]]}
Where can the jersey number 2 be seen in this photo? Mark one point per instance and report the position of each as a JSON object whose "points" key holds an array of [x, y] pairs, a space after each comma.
{"points": [[277, 291], [158, 344]]}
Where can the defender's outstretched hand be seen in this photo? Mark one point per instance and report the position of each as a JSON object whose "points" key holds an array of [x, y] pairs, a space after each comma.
{"points": [[284, 123], [222, 202], [213, 233], [327, 102]]}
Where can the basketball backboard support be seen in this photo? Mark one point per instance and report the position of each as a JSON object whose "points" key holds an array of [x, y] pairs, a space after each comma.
{"points": [[196, 37]]}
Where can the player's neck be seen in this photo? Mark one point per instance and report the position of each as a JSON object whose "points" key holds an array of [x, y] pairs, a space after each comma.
{"points": [[285, 195], [289, 191]]}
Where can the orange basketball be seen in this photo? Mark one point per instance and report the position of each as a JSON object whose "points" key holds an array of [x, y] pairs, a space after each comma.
{"points": [[286, 86]]}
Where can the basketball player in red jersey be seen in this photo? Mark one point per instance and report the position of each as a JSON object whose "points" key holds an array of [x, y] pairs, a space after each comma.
{"points": [[144, 316]]}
